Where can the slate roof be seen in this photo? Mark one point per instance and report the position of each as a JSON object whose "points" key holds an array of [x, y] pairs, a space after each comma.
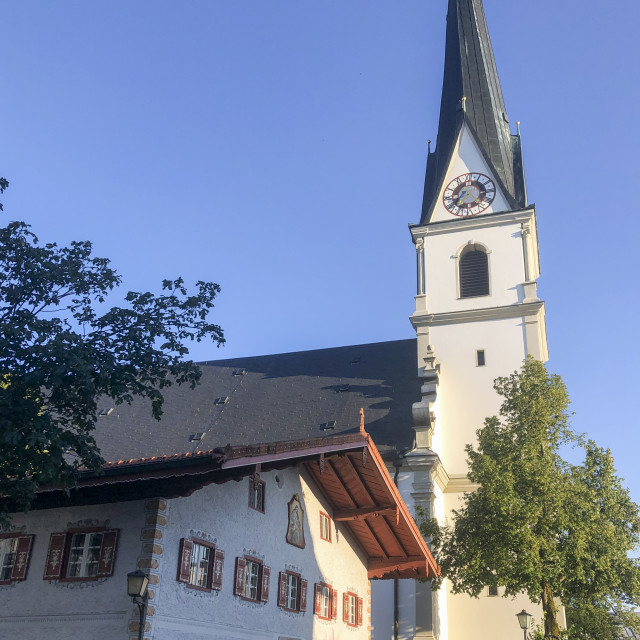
{"points": [[289, 396], [470, 72]]}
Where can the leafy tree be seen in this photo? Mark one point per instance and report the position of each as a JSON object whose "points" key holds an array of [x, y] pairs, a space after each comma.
{"points": [[540, 525], [60, 351]]}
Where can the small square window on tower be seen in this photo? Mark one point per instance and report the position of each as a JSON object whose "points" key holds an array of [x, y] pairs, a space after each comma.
{"points": [[480, 360], [493, 590]]}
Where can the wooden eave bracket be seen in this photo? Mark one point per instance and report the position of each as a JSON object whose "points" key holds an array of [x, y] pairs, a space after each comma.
{"points": [[378, 568], [344, 515]]}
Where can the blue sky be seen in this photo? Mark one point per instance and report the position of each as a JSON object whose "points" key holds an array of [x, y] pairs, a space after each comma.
{"points": [[278, 147]]}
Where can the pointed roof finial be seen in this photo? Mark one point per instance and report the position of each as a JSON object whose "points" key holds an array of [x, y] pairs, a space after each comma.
{"points": [[429, 147], [470, 91]]}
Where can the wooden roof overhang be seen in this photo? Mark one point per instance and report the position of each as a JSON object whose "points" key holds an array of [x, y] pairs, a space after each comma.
{"points": [[348, 470]]}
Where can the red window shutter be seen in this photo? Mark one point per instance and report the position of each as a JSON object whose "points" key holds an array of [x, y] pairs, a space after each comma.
{"points": [[54, 568], [238, 587], [303, 595], [107, 553], [317, 598], [21, 562], [218, 566], [345, 607], [184, 560], [360, 603], [264, 591], [334, 604], [282, 589]]}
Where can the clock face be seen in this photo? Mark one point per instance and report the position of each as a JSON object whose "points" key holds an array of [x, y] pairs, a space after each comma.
{"points": [[469, 194]]}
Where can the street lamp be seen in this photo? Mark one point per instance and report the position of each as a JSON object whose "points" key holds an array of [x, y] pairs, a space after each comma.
{"points": [[137, 582], [524, 620]]}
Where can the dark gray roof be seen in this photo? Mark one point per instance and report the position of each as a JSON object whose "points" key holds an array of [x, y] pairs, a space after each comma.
{"points": [[470, 71], [289, 396]]}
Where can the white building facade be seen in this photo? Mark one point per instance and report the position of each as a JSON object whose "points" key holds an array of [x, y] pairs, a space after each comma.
{"points": [[251, 545]]}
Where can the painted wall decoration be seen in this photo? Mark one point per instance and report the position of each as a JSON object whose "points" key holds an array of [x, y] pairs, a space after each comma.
{"points": [[295, 528]]}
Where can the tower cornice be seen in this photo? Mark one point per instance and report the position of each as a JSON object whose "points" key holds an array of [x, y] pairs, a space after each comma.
{"points": [[476, 222]]}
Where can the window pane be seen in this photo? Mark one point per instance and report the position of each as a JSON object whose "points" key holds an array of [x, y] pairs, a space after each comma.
{"points": [[293, 583], [325, 602], [7, 557], [252, 571], [84, 555], [352, 609], [325, 527], [200, 559]]}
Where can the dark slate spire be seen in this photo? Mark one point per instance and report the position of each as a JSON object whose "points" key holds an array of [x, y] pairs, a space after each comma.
{"points": [[470, 72]]}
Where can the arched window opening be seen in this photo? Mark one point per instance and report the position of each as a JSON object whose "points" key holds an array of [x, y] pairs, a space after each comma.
{"points": [[474, 272]]}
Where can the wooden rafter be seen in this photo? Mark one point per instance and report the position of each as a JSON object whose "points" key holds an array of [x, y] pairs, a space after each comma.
{"points": [[342, 515], [360, 482]]}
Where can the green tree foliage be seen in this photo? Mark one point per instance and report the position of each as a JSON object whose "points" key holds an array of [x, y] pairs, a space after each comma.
{"points": [[540, 525], [62, 348]]}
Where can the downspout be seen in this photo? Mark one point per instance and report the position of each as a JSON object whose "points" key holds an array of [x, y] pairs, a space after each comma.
{"points": [[396, 614]]}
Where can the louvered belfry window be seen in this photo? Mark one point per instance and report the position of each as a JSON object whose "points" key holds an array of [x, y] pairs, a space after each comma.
{"points": [[474, 273]]}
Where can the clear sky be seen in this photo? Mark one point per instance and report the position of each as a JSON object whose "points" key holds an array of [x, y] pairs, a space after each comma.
{"points": [[278, 147]]}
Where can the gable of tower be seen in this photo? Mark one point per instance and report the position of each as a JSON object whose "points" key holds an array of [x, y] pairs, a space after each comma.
{"points": [[468, 163]]}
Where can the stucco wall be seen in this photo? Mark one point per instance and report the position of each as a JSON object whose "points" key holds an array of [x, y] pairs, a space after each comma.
{"points": [[219, 513], [35, 608], [150, 533]]}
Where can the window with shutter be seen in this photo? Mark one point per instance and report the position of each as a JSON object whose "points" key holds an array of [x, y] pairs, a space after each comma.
{"points": [[15, 553], [352, 609], [282, 589], [290, 591], [473, 272], [334, 604], [238, 585], [252, 579], [200, 564], [81, 555], [218, 567], [264, 589], [325, 607], [303, 595]]}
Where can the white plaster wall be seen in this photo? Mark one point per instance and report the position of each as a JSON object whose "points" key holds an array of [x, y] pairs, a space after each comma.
{"points": [[506, 266], [220, 514], [486, 617], [35, 608], [466, 390], [467, 158]]}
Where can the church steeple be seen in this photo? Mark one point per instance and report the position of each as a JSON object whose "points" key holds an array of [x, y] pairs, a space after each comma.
{"points": [[471, 93]]}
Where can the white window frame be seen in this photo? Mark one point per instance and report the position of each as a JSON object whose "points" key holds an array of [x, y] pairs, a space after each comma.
{"points": [[325, 527], [199, 573], [252, 577], [293, 592], [325, 602], [89, 559], [353, 610]]}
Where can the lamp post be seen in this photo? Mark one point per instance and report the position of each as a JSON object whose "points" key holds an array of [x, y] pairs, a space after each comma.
{"points": [[137, 582], [524, 620]]}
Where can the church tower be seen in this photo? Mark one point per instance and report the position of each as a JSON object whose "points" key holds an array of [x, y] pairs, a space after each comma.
{"points": [[477, 307], [477, 316]]}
